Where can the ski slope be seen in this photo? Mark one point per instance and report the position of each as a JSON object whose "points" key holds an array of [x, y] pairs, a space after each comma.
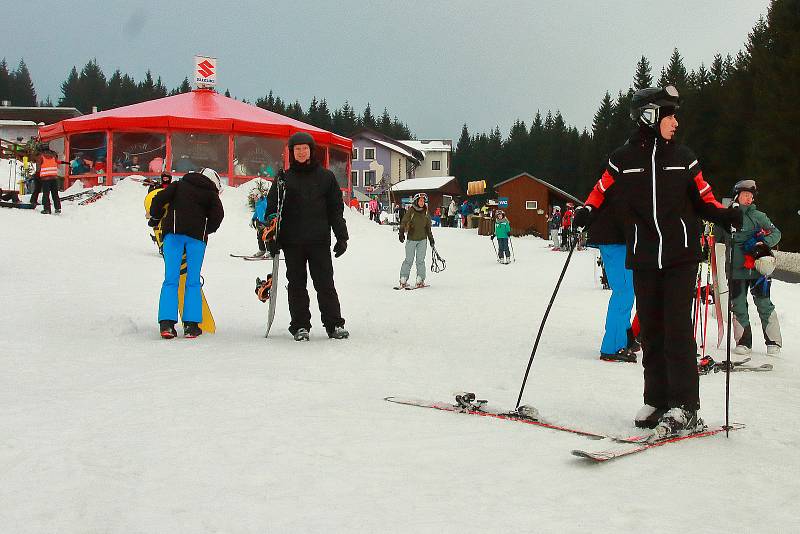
{"points": [[105, 427]]}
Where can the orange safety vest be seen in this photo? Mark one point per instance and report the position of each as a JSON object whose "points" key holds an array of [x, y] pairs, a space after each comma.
{"points": [[49, 168]]}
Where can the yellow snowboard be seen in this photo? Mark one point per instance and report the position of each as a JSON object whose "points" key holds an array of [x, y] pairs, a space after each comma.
{"points": [[207, 325]]}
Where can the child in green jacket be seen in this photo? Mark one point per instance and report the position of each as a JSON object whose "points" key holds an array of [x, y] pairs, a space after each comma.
{"points": [[502, 230]]}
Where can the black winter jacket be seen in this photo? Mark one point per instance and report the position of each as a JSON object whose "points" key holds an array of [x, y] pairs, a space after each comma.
{"points": [[662, 198], [194, 207], [312, 206]]}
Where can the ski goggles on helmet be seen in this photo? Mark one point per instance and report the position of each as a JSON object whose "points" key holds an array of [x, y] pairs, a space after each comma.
{"points": [[419, 196], [652, 104]]}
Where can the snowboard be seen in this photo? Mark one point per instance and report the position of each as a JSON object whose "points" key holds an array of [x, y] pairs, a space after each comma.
{"points": [[619, 448], [18, 205], [276, 259]]}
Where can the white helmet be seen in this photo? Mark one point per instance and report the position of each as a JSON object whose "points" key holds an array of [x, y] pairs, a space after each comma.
{"points": [[765, 264], [214, 176]]}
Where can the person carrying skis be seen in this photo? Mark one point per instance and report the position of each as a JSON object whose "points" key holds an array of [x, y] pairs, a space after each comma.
{"points": [[416, 224], [662, 196], [194, 211], [606, 234], [311, 208], [752, 243], [259, 223], [502, 231]]}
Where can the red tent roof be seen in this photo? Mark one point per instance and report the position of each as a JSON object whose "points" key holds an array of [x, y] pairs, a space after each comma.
{"points": [[202, 110]]}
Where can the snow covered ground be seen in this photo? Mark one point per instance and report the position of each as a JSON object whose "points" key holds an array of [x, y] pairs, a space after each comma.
{"points": [[105, 427]]}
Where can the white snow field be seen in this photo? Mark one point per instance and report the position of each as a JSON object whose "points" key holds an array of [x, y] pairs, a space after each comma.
{"points": [[105, 427]]}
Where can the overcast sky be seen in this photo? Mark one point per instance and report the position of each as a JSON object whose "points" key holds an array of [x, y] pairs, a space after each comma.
{"points": [[434, 64]]}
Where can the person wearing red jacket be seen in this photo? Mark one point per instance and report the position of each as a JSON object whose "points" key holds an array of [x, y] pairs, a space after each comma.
{"points": [[566, 226], [663, 196]]}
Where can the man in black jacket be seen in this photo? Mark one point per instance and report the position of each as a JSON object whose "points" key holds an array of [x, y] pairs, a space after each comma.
{"points": [[312, 207], [664, 196], [193, 210]]}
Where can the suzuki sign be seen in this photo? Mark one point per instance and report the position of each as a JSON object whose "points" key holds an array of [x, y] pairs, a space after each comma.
{"points": [[205, 71]]}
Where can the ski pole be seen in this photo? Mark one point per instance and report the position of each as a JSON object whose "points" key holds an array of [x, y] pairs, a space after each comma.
{"points": [[544, 319], [510, 244], [496, 254]]}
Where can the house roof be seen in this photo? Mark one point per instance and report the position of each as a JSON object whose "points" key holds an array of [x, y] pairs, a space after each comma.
{"points": [[423, 184], [47, 115], [434, 145], [388, 142], [201, 109], [548, 185]]}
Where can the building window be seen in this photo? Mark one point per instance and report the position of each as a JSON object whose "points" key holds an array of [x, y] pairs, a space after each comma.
{"points": [[369, 178], [436, 165], [354, 178], [531, 204], [369, 154], [355, 153]]}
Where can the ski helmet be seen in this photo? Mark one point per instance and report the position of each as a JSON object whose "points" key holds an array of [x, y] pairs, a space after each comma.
{"points": [[651, 104], [418, 196], [214, 176], [744, 185], [301, 138], [500, 214], [556, 208], [764, 258]]}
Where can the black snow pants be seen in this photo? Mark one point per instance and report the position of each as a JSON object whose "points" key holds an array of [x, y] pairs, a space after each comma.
{"points": [[320, 265], [664, 305], [50, 188]]}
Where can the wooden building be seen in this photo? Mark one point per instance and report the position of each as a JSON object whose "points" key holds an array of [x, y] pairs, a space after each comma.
{"points": [[530, 200]]}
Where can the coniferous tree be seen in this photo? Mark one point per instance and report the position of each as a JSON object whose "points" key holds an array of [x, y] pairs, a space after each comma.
{"points": [[368, 119], [5, 81], [22, 91], [644, 76], [69, 90], [675, 73]]}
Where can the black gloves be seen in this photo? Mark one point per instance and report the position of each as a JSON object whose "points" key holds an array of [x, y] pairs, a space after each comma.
{"points": [[339, 248], [402, 237], [733, 216], [153, 222], [580, 219], [273, 247]]}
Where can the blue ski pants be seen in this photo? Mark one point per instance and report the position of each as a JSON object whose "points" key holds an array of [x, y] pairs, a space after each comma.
{"points": [[618, 315], [502, 248], [174, 247]]}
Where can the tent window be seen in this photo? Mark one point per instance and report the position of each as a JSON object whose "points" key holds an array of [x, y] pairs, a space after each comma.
{"points": [[139, 153], [195, 151], [337, 164], [257, 156]]}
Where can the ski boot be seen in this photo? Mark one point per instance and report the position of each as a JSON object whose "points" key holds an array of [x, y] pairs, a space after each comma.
{"points": [[338, 332], [259, 254], [167, 329], [528, 412], [403, 283], [420, 282], [301, 335], [773, 349], [467, 402], [634, 345], [706, 365], [263, 288], [677, 422], [622, 355], [648, 416], [191, 330]]}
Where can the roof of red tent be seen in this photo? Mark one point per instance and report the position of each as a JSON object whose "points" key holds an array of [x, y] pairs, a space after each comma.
{"points": [[203, 110]]}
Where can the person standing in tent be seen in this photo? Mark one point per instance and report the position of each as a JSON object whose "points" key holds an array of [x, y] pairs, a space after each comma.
{"points": [[502, 231], [193, 211], [312, 207], [663, 196], [416, 224], [751, 264]]}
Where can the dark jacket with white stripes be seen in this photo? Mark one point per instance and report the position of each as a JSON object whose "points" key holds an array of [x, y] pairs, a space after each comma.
{"points": [[662, 198], [194, 207]]}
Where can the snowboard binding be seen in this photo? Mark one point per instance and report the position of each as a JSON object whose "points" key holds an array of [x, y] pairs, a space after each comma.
{"points": [[263, 288], [467, 403]]}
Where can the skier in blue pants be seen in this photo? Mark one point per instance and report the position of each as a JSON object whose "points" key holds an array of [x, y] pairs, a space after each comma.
{"points": [[617, 341]]}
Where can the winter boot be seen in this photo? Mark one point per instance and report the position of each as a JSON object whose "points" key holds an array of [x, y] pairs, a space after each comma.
{"points": [[403, 282], [338, 332], [259, 254], [633, 342], [58, 212], [191, 330], [420, 282], [167, 329], [622, 355], [648, 416], [46, 211], [773, 349], [744, 342], [301, 335], [677, 422]]}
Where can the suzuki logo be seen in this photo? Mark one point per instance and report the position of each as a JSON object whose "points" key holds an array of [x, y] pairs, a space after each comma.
{"points": [[205, 69]]}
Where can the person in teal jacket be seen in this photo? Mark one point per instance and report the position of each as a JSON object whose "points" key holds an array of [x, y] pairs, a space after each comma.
{"points": [[756, 239], [502, 231]]}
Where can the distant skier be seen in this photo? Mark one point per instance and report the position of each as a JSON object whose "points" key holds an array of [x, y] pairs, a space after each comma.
{"points": [[194, 211], [312, 207], [566, 226], [416, 224], [259, 222], [554, 224], [452, 210], [662, 197], [502, 231], [373, 210], [751, 248]]}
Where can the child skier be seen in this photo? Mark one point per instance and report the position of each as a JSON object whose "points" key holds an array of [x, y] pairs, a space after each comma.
{"points": [[416, 224], [259, 223], [502, 230]]}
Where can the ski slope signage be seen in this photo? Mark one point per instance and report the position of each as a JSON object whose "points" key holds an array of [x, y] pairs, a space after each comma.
{"points": [[205, 71]]}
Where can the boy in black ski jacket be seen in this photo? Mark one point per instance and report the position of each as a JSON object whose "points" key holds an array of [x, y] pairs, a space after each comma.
{"points": [[664, 196], [312, 206]]}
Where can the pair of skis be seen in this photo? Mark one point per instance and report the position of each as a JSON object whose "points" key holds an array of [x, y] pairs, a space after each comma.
{"points": [[612, 446], [410, 288], [708, 365]]}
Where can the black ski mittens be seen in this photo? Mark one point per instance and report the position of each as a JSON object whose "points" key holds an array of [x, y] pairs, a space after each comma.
{"points": [[733, 216], [580, 219], [402, 237], [339, 248], [153, 222]]}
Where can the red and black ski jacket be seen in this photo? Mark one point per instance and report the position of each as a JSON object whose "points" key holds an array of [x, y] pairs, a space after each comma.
{"points": [[662, 198]]}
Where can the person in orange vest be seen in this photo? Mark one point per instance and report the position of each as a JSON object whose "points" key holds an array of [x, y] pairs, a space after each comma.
{"points": [[47, 165]]}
